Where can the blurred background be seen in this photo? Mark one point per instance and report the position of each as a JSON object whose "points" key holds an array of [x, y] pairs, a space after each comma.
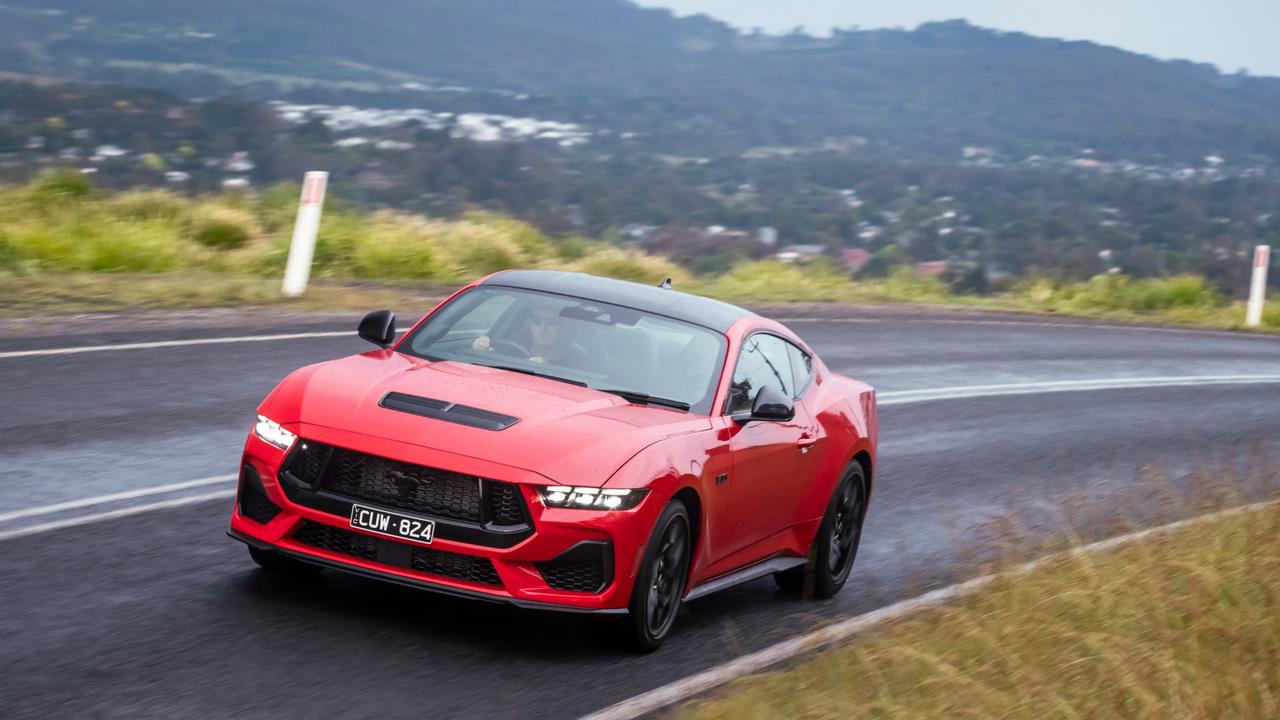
{"points": [[959, 157], [911, 186]]}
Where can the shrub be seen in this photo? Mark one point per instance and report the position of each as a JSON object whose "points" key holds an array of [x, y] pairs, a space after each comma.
{"points": [[574, 248], [399, 247], [61, 185], [473, 248], [277, 206], [534, 245], [1121, 293], [117, 246], [770, 280], [221, 235], [630, 265], [9, 256], [149, 205]]}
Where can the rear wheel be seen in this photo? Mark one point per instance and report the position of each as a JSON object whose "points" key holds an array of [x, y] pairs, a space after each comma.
{"points": [[836, 545], [277, 563], [659, 587]]}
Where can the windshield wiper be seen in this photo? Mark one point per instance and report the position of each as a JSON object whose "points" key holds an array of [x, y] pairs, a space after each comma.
{"points": [[634, 396], [647, 399], [535, 373]]}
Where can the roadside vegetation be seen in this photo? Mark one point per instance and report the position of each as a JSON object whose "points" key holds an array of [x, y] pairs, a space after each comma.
{"points": [[65, 245], [1178, 625]]}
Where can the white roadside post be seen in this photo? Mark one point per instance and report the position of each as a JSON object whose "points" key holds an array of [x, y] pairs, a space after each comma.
{"points": [[1258, 289], [303, 247]]}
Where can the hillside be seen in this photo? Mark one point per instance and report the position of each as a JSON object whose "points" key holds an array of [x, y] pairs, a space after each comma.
{"points": [[680, 84]]}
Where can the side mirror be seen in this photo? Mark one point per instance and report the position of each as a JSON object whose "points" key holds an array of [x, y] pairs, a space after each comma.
{"points": [[770, 406], [379, 328]]}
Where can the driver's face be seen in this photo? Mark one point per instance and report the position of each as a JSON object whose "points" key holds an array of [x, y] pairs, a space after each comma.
{"points": [[545, 327]]}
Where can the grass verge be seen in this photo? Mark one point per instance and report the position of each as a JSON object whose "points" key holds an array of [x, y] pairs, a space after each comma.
{"points": [[60, 236], [1178, 625], [1186, 300], [76, 293]]}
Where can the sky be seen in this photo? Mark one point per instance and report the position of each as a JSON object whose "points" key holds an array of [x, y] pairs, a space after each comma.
{"points": [[1231, 34]]}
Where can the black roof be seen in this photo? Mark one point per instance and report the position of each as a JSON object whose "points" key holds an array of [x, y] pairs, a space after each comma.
{"points": [[648, 298]]}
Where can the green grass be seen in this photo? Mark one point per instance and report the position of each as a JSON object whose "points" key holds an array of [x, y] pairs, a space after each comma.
{"points": [[237, 243], [75, 293], [1177, 626], [1186, 300], [61, 224]]}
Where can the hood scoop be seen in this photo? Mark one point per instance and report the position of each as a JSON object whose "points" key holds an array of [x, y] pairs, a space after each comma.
{"points": [[447, 411]]}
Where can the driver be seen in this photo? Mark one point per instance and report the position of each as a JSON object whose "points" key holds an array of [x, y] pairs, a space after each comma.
{"points": [[549, 341]]}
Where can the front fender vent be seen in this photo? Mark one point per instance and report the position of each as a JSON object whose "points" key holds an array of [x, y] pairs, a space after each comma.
{"points": [[447, 411]]}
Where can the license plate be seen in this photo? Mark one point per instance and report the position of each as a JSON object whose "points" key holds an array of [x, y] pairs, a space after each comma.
{"points": [[405, 527]]}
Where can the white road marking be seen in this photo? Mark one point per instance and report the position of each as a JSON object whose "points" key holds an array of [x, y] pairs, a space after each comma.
{"points": [[901, 397], [114, 497], [682, 690], [175, 343], [112, 514], [167, 344], [1084, 325], [867, 320], [904, 397]]}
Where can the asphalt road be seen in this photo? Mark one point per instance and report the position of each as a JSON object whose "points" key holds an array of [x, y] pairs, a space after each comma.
{"points": [[158, 614]]}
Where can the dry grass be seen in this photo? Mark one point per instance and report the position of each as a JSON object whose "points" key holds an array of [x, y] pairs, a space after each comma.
{"points": [[1182, 625]]}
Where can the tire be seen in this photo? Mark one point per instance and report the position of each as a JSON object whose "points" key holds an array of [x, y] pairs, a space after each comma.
{"points": [[660, 584], [835, 547], [276, 563]]}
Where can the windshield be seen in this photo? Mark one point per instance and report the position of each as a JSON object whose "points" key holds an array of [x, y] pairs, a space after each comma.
{"points": [[646, 358]]}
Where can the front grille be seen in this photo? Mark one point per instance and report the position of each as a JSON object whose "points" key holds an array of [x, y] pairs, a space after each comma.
{"points": [[390, 552], [506, 507], [400, 485], [308, 461], [405, 486], [337, 540], [585, 567], [253, 501]]}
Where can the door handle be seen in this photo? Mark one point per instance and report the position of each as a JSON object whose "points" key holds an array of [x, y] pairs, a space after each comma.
{"points": [[806, 441]]}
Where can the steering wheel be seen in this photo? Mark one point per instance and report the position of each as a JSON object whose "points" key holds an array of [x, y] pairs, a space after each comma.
{"points": [[506, 347]]}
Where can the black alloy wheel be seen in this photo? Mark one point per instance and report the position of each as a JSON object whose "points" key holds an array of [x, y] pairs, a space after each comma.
{"points": [[846, 529], [660, 584]]}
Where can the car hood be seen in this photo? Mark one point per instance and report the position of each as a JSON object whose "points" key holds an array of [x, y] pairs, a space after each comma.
{"points": [[568, 434]]}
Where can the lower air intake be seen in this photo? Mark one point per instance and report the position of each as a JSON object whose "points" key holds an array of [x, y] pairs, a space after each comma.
{"points": [[585, 567], [457, 566], [253, 501]]}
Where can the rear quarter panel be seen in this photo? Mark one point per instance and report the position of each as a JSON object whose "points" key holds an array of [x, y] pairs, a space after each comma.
{"points": [[845, 409]]}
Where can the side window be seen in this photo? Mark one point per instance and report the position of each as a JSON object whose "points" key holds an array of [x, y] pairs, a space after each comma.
{"points": [[764, 361], [801, 367]]}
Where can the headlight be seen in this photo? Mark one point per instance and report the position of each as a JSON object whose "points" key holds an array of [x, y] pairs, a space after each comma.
{"points": [[270, 430], [589, 498]]}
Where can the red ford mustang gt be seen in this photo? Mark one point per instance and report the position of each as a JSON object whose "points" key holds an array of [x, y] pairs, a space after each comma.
{"points": [[562, 441]]}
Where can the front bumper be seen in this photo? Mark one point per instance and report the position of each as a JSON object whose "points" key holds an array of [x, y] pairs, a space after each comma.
{"points": [[517, 574]]}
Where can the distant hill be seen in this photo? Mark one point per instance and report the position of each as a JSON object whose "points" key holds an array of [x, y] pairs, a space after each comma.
{"points": [[683, 84]]}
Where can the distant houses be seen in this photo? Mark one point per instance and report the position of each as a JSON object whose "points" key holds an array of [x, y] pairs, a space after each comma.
{"points": [[801, 253], [932, 268], [853, 259]]}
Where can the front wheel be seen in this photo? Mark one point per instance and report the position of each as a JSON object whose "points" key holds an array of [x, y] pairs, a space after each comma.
{"points": [[834, 549], [659, 588]]}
